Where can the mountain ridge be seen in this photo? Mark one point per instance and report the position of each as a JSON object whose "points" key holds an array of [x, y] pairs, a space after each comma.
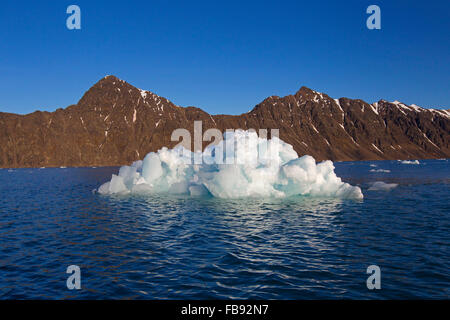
{"points": [[115, 123]]}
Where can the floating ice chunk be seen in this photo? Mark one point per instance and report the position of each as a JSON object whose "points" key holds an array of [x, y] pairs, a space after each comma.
{"points": [[250, 167], [380, 170], [129, 175], [382, 186], [410, 162], [152, 169], [116, 185]]}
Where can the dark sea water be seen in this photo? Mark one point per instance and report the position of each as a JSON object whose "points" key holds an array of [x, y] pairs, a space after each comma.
{"points": [[158, 247]]}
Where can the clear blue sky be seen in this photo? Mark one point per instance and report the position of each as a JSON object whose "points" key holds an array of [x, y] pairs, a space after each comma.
{"points": [[225, 56]]}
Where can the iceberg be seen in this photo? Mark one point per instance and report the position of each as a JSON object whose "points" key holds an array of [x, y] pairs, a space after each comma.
{"points": [[242, 165]]}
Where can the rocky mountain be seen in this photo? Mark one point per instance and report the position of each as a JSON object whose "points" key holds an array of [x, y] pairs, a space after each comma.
{"points": [[115, 123]]}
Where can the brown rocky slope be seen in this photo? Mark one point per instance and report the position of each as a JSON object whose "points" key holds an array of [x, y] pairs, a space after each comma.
{"points": [[115, 123]]}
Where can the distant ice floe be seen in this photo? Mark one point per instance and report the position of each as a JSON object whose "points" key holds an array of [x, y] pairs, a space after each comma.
{"points": [[258, 168], [382, 186], [410, 162], [380, 170]]}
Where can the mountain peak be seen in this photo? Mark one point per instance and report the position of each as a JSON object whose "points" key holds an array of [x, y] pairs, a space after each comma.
{"points": [[304, 90], [110, 79], [107, 88], [310, 94]]}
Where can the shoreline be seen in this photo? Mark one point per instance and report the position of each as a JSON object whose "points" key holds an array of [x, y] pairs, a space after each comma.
{"points": [[127, 164]]}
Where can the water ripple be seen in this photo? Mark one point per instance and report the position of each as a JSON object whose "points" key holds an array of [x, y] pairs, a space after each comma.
{"points": [[186, 248]]}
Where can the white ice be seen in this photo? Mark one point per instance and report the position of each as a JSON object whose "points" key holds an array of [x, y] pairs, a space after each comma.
{"points": [[382, 186], [255, 167], [380, 170], [410, 162]]}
